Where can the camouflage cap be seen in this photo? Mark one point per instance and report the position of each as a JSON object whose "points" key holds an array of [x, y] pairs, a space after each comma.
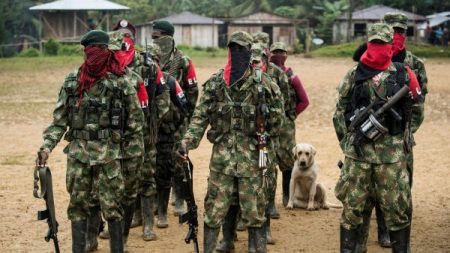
{"points": [[396, 19], [381, 32], [262, 38], [278, 46], [257, 51], [242, 38]]}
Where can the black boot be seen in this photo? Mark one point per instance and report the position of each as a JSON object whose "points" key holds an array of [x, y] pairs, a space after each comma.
{"points": [[400, 240], [137, 216], [269, 238], [148, 218], [79, 236], [272, 209], [178, 194], [257, 240], [383, 233], [116, 236], [229, 230], [209, 238], [348, 240], [127, 218], [363, 232], [93, 225], [286, 181], [163, 201]]}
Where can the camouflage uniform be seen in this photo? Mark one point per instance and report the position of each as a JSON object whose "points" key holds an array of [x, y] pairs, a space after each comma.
{"points": [[231, 112], [381, 174], [93, 144]]}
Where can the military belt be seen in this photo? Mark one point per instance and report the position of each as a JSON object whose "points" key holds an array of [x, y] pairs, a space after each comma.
{"points": [[91, 135]]}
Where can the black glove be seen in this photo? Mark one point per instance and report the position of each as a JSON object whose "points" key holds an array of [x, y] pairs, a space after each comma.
{"points": [[42, 157]]}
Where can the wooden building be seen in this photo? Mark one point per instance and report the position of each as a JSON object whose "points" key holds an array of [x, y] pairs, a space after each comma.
{"points": [[278, 27], [67, 20], [190, 29], [362, 19]]}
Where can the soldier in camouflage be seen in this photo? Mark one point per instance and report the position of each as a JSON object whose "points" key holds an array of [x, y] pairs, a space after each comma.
{"points": [[297, 101], [379, 174], [98, 105], [398, 22], [230, 103], [180, 66]]}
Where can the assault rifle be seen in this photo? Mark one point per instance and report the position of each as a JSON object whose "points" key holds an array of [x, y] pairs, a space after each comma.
{"points": [[43, 176], [366, 123], [191, 215]]}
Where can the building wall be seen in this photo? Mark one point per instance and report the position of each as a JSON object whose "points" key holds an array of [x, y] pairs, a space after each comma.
{"points": [[191, 35], [60, 25]]}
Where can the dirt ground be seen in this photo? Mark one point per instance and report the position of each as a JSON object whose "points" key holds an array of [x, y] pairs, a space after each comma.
{"points": [[26, 101]]}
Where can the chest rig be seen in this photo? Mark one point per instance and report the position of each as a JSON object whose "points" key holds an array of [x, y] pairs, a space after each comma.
{"points": [[99, 114], [288, 91], [396, 119], [234, 109]]}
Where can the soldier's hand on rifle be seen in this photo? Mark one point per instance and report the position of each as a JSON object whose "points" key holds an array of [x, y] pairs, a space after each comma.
{"points": [[182, 151], [42, 157]]}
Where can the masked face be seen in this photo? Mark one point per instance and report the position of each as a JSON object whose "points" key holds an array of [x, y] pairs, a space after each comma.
{"points": [[278, 58], [240, 61], [166, 44]]}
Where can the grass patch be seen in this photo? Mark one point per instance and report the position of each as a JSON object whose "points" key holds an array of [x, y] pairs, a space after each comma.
{"points": [[14, 160], [33, 64], [347, 49]]}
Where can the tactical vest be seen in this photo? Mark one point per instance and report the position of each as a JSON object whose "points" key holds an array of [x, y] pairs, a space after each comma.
{"points": [[228, 114], [176, 66], [95, 117], [396, 80]]}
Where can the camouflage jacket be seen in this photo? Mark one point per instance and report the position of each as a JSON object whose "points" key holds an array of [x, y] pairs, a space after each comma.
{"points": [[387, 148], [281, 79], [417, 65], [92, 127], [231, 112], [176, 117], [180, 66]]}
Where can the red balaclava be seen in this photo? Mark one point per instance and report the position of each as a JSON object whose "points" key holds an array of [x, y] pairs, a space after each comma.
{"points": [[377, 56], [126, 54], [399, 43]]}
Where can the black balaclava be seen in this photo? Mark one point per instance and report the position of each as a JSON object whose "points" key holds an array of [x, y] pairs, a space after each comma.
{"points": [[240, 61]]}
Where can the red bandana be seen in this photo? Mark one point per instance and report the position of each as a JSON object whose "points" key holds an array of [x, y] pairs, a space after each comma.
{"points": [[399, 42], [126, 56], [227, 69], [98, 63], [377, 56]]}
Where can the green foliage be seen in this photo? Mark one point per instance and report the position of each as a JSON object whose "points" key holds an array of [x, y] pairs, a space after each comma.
{"points": [[202, 51], [70, 49], [286, 11], [51, 47], [30, 52], [298, 47], [347, 49]]}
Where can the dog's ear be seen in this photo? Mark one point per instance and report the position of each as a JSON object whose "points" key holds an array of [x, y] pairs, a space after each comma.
{"points": [[294, 151], [313, 150]]}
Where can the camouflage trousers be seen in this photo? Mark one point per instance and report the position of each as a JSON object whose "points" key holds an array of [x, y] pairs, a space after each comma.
{"points": [[147, 182], [131, 173], [361, 184], [165, 164], [285, 158], [221, 193], [89, 186]]}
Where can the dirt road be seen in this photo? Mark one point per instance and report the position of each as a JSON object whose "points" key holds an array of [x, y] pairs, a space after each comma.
{"points": [[27, 99]]}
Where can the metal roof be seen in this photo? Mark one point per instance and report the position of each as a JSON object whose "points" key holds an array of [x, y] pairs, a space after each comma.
{"points": [[189, 18], [71, 5], [377, 12]]}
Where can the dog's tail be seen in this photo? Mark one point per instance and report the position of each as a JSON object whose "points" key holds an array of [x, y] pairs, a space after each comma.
{"points": [[332, 205]]}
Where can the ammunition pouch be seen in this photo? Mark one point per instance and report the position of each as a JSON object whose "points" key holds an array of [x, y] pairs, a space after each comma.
{"points": [[91, 135]]}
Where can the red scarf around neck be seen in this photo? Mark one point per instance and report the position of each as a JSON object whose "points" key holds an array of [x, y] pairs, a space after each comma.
{"points": [[377, 56], [98, 62]]}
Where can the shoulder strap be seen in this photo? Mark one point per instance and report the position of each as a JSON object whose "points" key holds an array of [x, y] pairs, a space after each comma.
{"points": [[400, 74]]}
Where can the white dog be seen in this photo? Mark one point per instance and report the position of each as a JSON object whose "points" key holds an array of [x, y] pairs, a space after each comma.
{"points": [[304, 190]]}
